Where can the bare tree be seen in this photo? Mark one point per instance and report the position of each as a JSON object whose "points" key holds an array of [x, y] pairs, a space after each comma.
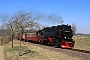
{"points": [[23, 21], [20, 22], [10, 27], [74, 28]]}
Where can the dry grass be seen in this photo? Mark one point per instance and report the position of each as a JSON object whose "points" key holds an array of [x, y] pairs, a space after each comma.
{"points": [[82, 42], [35, 53]]}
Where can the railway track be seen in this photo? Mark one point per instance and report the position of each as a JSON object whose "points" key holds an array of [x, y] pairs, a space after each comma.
{"points": [[83, 51]]}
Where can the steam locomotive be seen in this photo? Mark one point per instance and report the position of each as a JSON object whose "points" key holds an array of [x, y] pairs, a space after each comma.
{"points": [[57, 36]]}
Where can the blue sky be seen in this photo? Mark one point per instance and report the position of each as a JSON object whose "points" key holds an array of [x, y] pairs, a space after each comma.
{"points": [[71, 11]]}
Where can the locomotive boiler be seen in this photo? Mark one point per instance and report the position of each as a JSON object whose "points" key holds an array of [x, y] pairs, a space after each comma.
{"points": [[63, 31]]}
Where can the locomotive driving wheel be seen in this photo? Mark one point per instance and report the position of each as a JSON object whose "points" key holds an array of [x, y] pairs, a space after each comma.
{"points": [[56, 43]]}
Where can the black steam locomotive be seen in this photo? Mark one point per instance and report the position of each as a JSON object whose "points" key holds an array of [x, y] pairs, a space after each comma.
{"points": [[59, 36]]}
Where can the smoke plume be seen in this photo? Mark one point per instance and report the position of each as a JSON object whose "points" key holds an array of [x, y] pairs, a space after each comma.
{"points": [[50, 19]]}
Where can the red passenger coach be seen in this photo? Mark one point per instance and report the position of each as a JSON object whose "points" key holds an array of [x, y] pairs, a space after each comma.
{"points": [[29, 37], [22, 38]]}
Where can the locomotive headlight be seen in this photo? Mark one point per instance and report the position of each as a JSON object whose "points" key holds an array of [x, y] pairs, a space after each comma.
{"points": [[68, 25], [65, 37]]}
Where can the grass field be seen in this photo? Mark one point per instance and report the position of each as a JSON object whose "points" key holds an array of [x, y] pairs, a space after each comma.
{"points": [[35, 53], [82, 42]]}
